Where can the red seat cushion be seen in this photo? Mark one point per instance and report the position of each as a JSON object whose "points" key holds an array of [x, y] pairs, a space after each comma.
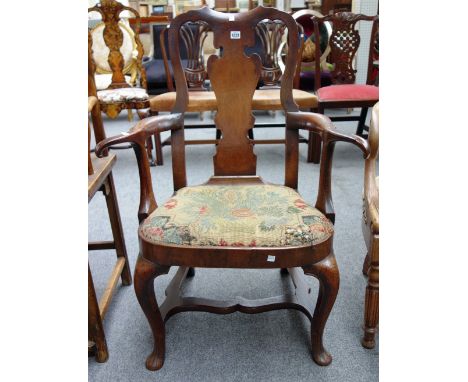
{"points": [[351, 92]]}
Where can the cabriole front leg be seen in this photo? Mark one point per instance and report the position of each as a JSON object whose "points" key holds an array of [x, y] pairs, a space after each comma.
{"points": [[326, 271], [145, 273]]}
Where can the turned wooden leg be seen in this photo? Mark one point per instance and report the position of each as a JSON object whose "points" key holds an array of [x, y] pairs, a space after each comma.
{"points": [[371, 305], [95, 327], [145, 273], [326, 271], [116, 226]]}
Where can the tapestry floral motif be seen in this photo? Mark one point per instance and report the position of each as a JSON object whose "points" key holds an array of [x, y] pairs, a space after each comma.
{"points": [[237, 216]]}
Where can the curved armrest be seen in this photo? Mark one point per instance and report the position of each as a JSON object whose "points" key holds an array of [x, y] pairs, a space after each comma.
{"points": [[142, 130], [322, 125], [137, 136]]}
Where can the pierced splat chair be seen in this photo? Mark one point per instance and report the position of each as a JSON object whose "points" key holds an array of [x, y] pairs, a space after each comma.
{"points": [[235, 220], [344, 93]]}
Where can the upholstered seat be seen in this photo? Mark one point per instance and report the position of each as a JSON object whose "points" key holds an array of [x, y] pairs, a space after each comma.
{"points": [[348, 92], [265, 99], [122, 95], [260, 215]]}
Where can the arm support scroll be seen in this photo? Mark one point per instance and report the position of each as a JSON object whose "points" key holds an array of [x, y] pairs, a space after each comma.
{"points": [[137, 136], [322, 125]]}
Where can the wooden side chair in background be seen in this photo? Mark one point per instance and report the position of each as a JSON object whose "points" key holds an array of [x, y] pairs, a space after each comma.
{"points": [[266, 98], [117, 49], [344, 92], [112, 39], [235, 220], [100, 179], [305, 75], [370, 229]]}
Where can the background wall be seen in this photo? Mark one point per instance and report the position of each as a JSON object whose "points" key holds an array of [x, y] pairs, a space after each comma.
{"points": [[367, 7]]}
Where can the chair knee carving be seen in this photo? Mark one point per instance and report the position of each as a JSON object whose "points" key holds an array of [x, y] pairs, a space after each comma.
{"points": [[235, 220]]}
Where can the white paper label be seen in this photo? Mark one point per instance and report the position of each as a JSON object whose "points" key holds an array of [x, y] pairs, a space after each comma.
{"points": [[235, 35], [271, 259], [231, 17]]}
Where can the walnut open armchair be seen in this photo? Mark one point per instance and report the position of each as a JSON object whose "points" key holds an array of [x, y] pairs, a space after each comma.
{"points": [[235, 220]]}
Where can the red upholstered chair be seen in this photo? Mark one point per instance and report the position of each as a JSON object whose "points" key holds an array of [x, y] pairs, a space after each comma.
{"points": [[344, 92]]}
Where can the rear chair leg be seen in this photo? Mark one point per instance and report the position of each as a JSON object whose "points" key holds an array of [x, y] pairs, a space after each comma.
{"points": [[314, 147], [116, 226], [362, 121], [190, 273], [95, 327]]}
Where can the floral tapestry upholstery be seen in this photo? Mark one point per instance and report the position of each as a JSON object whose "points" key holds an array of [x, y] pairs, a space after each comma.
{"points": [[261, 215], [122, 95]]}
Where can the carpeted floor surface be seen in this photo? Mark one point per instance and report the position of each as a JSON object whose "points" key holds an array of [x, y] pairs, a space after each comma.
{"points": [[204, 347]]}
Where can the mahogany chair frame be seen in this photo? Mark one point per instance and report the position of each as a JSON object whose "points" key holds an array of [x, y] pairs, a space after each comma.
{"points": [[370, 229], [342, 56], [100, 179], [235, 164]]}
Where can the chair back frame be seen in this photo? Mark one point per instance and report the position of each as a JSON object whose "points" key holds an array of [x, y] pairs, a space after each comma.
{"points": [[110, 11], [234, 77], [344, 43]]}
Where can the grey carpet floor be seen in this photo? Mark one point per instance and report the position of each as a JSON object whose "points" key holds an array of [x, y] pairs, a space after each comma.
{"points": [[271, 346]]}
